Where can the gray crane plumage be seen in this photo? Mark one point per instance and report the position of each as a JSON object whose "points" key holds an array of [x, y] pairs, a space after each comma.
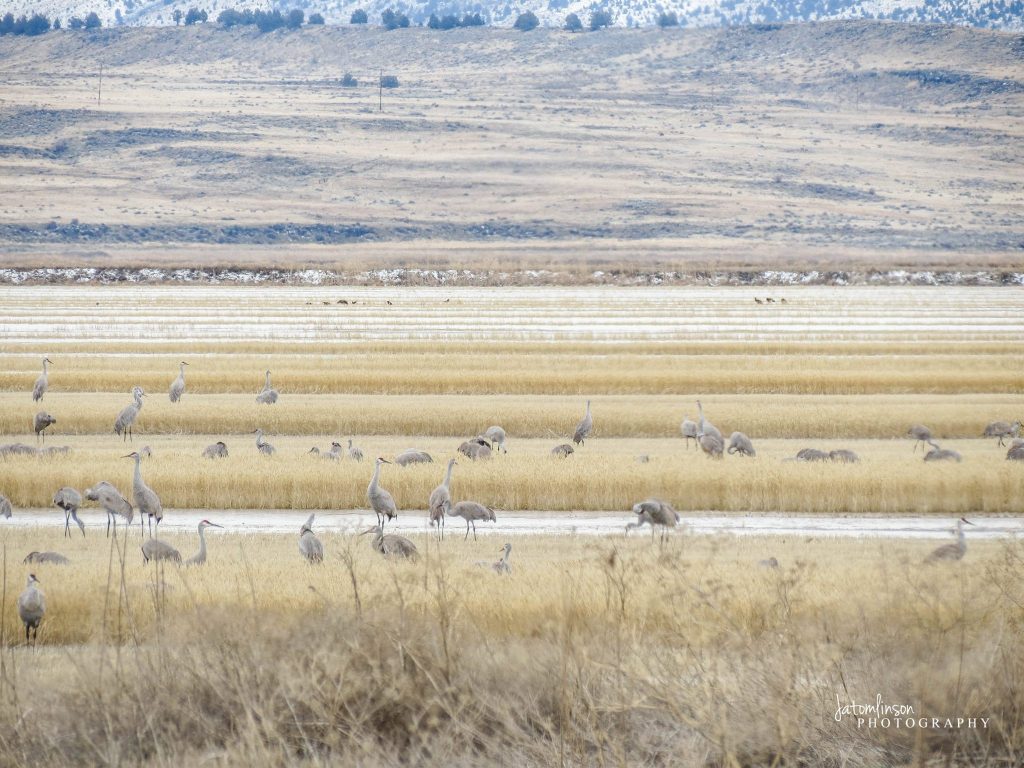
{"points": [[413, 456], [711, 444], [178, 385], [218, 450], [154, 549], [954, 551], [705, 426], [843, 456], [501, 565], [496, 435], [391, 544], [125, 421], [811, 454], [655, 513], [268, 395], [199, 558], [42, 383], [69, 500], [40, 423], [382, 502], [5, 507], [113, 502], [1002, 430], [309, 545], [920, 433], [564, 450], [354, 451], [49, 558], [32, 607], [476, 449], [144, 498], [471, 512], [740, 443], [262, 445], [941, 454], [584, 428], [688, 428], [440, 502], [1016, 452]]}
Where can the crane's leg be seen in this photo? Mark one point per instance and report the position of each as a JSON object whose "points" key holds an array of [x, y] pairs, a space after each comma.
{"points": [[467, 531], [108, 526], [81, 525], [67, 523], [474, 530]]}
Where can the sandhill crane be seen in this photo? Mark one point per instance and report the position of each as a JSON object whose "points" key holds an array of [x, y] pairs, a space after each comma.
{"points": [[146, 452], [941, 454], [811, 454], [705, 426], [843, 456], [441, 500], [154, 549], [113, 502], [41, 421], [689, 430], [1016, 452], [497, 437], [50, 558], [126, 418], [354, 451], [199, 558], [740, 443], [711, 444], [262, 445], [768, 562], [954, 551], [471, 511], [5, 507], [335, 453], [412, 456], [309, 544], [42, 382], [391, 544], [218, 450], [920, 433], [1002, 430], [476, 449], [563, 450], [268, 396], [654, 512], [146, 500], [69, 500], [501, 565], [178, 385], [32, 607], [584, 428], [383, 503]]}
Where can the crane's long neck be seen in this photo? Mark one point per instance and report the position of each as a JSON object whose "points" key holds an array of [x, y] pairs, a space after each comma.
{"points": [[504, 557], [267, 384], [138, 473], [700, 411], [961, 539], [202, 543], [376, 478], [448, 475], [259, 438], [138, 399], [181, 370], [588, 408], [44, 367]]}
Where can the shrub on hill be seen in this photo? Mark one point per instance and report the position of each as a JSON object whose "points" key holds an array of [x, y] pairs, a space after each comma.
{"points": [[358, 17], [573, 23], [527, 21]]}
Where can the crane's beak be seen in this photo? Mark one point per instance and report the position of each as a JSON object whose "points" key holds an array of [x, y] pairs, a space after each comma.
{"points": [[385, 461], [372, 529], [129, 456], [964, 519]]}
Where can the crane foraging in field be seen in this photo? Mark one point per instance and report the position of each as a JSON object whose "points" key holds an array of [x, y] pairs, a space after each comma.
{"points": [[413, 456], [1016, 452], [477, 449], [740, 443], [954, 551], [69, 500], [47, 558], [218, 450], [440, 502], [32, 607], [309, 545], [146, 500], [354, 451], [178, 385], [391, 544], [563, 451], [199, 558], [655, 513], [268, 395], [584, 428], [1002, 430], [920, 433], [113, 502], [155, 550], [501, 565], [125, 420], [941, 454], [40, 422], [843, 456], [496, 435], [262, 445], [471, 512], [42, 383], [688, 428], [382, 502]]}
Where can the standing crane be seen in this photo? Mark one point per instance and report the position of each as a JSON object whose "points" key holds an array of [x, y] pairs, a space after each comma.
{"points": [[178, 385], [41, 421], [441, 500], [69, 500], [383, 503], [42, 383], [391, 544], [471, 511], [954, 551], [705, 426], [199, 558], [262, 445], [32, 607], [584, 428], [354, 451], [146, 500], [920, 433], [268, 396], [126, 418], [113, 502], [309, 544], [1002, 430]]}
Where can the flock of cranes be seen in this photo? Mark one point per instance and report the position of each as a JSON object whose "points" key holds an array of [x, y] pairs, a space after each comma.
{"points": [[657, 514]]}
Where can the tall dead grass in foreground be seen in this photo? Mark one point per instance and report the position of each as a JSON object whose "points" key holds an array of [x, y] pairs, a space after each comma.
{"points": [[592, 653]]}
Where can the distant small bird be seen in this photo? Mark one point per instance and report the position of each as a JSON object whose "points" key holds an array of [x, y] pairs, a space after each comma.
{"points": [[269, 395], [500, 566], [471, 511], [218, 450], [1002, 430], [354, 452], [178, 385], [563, 450], [199, 558], [42, 383], [262, 445], [954, 551], [920, 433], [584, 428], [69, 500], [412, 456], [40, 423], [32, 607], [5, 506], [941, 454], [51, 558], [391, 545], [309, 544]]}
